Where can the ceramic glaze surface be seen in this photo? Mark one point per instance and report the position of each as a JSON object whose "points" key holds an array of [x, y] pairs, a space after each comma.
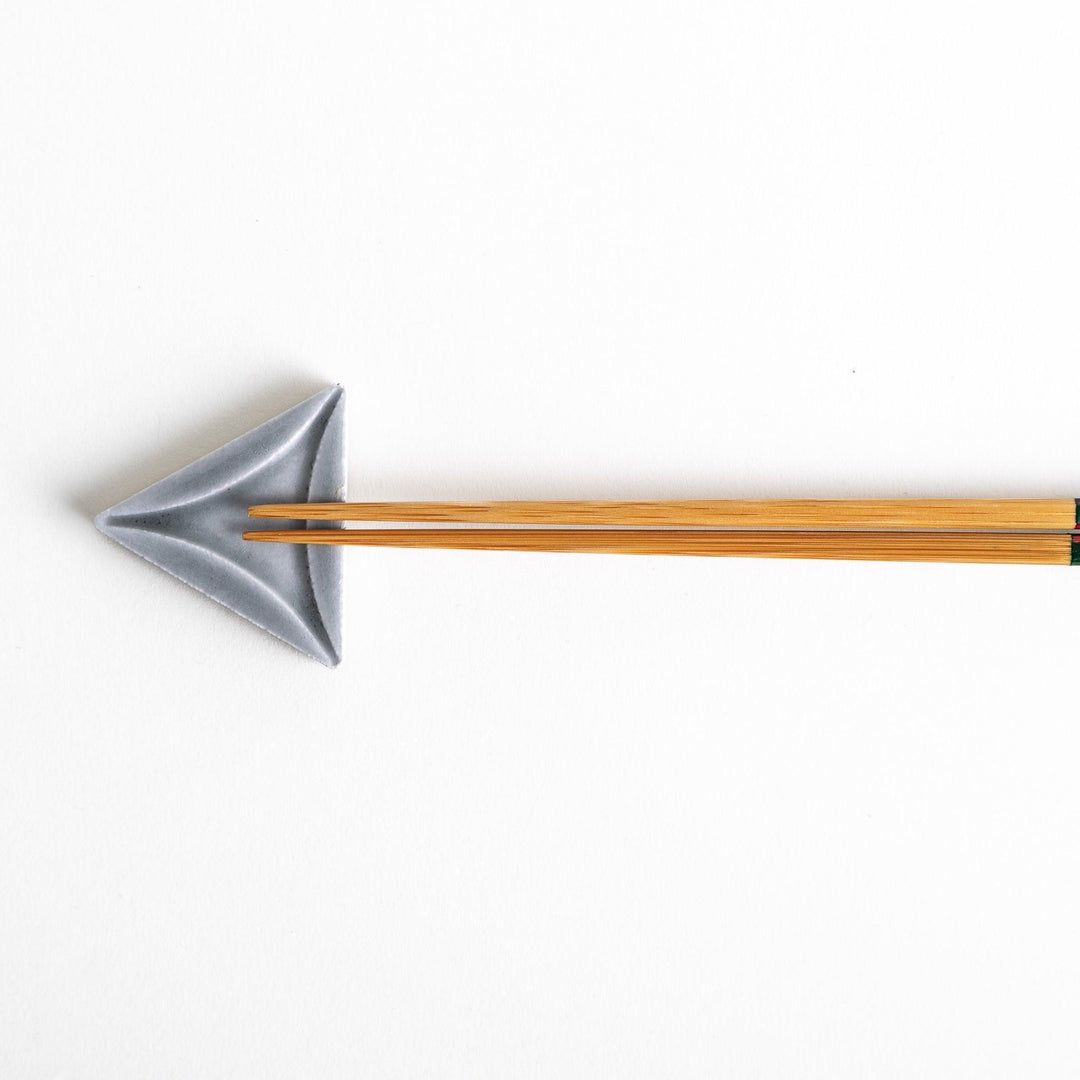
{"points": [[190, 524]]}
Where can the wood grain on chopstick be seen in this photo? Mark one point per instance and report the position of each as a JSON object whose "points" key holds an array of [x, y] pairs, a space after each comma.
{"points": [[858, 514], [1041, 548]]}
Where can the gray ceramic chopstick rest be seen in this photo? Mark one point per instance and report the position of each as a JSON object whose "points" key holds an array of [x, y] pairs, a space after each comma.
{"points": [[190, 524]]}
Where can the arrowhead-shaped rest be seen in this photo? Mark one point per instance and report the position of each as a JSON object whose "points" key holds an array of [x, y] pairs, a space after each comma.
{"points": [[190, 524]]}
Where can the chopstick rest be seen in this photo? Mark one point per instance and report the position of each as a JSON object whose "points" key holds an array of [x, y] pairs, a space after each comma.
{"points": [[191, 525]]}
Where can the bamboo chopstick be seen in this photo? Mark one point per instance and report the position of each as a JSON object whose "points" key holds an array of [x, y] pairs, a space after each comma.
{"points": [[866, 514], [1052, 549]]}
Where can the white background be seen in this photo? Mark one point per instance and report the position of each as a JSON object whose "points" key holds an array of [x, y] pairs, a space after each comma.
{"points": [[554, 815]]}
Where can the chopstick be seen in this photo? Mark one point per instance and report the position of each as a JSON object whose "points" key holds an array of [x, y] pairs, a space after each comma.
{"points": [[812, 514], [1051, 549]]}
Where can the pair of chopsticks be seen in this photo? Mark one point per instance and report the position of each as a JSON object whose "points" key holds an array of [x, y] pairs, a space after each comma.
{"points": [[1038, 531]]}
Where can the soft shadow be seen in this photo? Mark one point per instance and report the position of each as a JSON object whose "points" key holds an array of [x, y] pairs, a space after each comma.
{"points": [[151, 461]]}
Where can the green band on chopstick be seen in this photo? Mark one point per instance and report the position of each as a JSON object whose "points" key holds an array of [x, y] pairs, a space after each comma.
{"points": [[1075, 557]]}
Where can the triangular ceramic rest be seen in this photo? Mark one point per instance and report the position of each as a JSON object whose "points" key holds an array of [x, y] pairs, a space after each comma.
{"points": [[190, 524]]}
